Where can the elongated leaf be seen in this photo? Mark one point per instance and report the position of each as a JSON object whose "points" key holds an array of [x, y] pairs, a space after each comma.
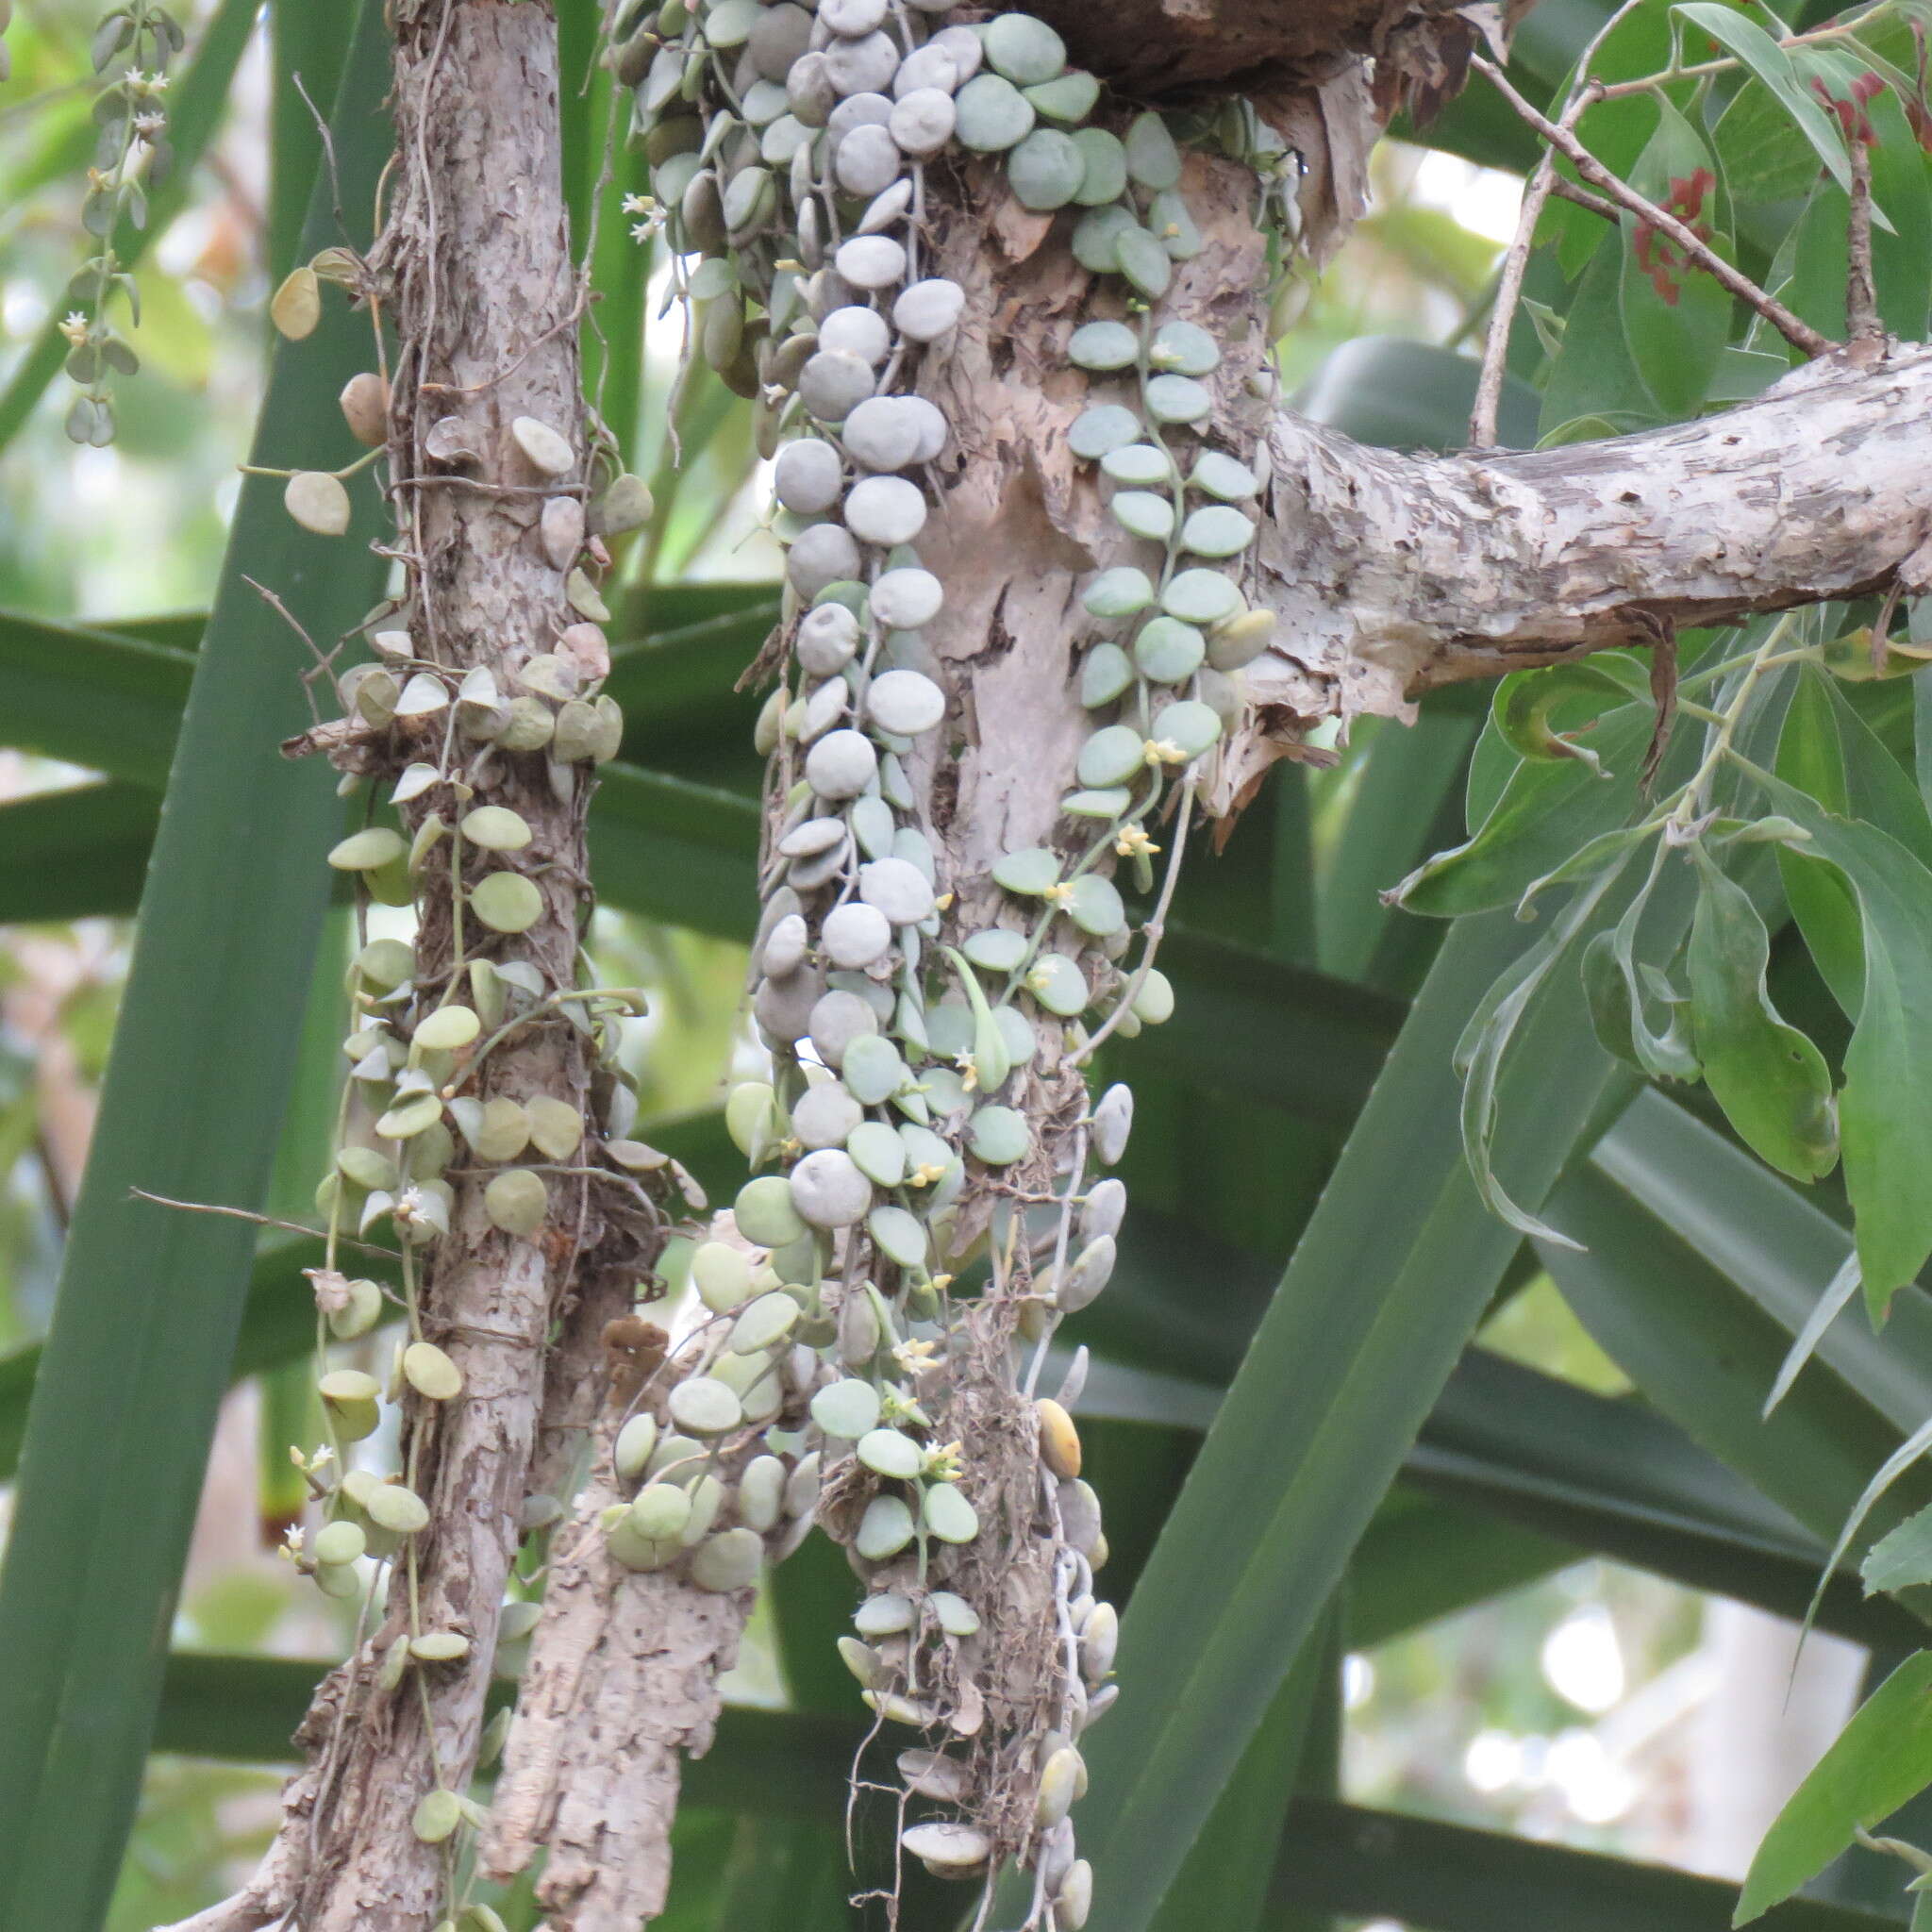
{"points": [[1882, 1757], [1769, 1079], [195, 105], [1439, 1877], [1812, 756], [1772, 65], [69, 855], [1903, 1558], [113, 702], [137, 1358], [1352, 1353]]}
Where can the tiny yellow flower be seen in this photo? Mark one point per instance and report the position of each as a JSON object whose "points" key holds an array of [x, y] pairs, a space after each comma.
{"points": [[924, 1174], [969, 1070], [944, 1464], [1061, 894], [1163, 751], [1134, 843]]}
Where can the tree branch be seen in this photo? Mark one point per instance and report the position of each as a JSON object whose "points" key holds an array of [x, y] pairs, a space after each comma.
{"points": [[1397, 574]]}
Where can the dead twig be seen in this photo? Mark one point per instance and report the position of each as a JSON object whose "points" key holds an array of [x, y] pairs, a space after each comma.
{"points": [[1861, 292]]}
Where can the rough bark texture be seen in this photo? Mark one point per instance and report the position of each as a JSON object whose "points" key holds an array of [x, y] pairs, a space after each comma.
{"points": [[477, 270]]}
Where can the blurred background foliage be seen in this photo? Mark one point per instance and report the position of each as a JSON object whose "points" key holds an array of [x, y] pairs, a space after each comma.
{"points": [[1596, 1704]]}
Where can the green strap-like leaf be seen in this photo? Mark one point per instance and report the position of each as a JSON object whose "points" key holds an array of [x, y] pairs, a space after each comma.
{"points": [[149, 1300]]}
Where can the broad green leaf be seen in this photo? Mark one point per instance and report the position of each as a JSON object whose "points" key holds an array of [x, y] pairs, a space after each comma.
{"points": [[1769, 1079], [69, 854], [1773, 67], [1882, 1757], [137, 1358], [1387, 1865], [1526, 699], [1902, 1558], [1546, 811], [1884, 1109], [111, 703], [1676, 318], [1810, 756], [1593, 381], [1345, 1364]]}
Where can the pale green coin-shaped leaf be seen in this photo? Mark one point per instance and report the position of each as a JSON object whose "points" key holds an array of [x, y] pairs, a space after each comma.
{"points": [[1222, 476], [1144, 513], [957, 1618], [999, 1136], [635, 1441], [1143, 261], [1173, 224], [884, 1615], [1029, 872], [1138, 464], [769, 1319], [436, 1817], [1169, 651], [439, 1647], [340, 1543], [659, 1511], [1101, 427], [703, 1406], [995, 948], [507, 902], [496, 828], [764, 1213], [1095, 907], [447, 1029], [1069, 98], [430, 1373], [516, 1201], [1058, 983], [1105, 672], [722, 1274], [1184, 348], [1178, 399], [369, 849], [1107, 803], [948, 1515], [1217, 531], [1046, 168], [367, 1168], [899, 1235], [386, 963], [884, 1530], [992, 115], [410, 1117], [872, 1071], [1106, 160], [847, 1409], [1022, 48], [886, 1451], [1200, 596], [729, 1560], [1190, 725], [556, 1128], [1113, 756], [878, 1152], [1118, 592], [348, 1384], [1153, 1002], [1096, 235], [400, 1511], [1104, 345], [1152, 159], [729, 23]]}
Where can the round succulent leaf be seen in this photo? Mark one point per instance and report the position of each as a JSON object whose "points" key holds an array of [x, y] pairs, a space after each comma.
{"points": [[1113, 756], [516, 1201], [889, 1452], [1046, 169], [729, 1560], [556, 1128], [847, 1408], [1143, 261], [1216, 474], [1153, 1001], [635, 1441], [995, 948], [1106, 672], [365, 851], [765, 1322], [879, 1153], [1200, 596], [1096, 235], [1144, 513], [410, 1117], [430, 1373], [495, 828], [1104, 345], [1120, 591], [393, 1507], [764, 1211], [999, 1136], [899, 1235], [318, 502], [991, 116], [436, 1817], [1140, 465], [1217, 529], [659, 1511], [884, 1615], [948, 1515], [703, 1406], [884, 1530], [1029, 872], [502, 1129], [1189, 724], [1108, 802], [872, 1071], [1100, 427], [447, 1029], [1056, 982], [507, 902], [1069, 98], [1152, 159], [1095, 907], [1184, 348], [722, 1274], [1022, 48], [1173, 227], [1169, 651], [1178, 399], [1106, 164]]}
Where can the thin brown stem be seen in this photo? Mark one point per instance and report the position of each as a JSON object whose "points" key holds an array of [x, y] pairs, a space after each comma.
{"points": [[1862, 294], [1800, 335], [1563, 188]]}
